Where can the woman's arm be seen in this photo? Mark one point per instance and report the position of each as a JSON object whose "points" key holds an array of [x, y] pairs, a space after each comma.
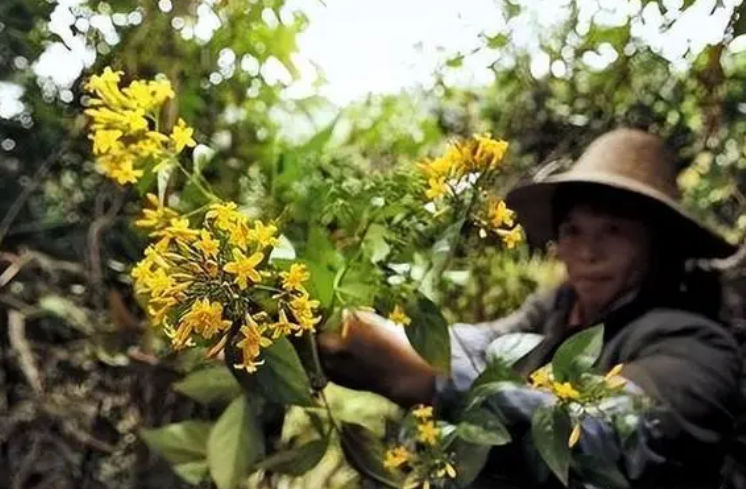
{"points": [[375, 355]]}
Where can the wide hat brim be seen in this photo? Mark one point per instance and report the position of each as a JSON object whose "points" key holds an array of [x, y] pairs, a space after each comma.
{"points": [[533, 203]]}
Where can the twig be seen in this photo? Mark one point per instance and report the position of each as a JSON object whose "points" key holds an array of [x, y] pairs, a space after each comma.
{"points": [[17, 336], [15, 267], [26, 309], [103, 221], [19, 479]]}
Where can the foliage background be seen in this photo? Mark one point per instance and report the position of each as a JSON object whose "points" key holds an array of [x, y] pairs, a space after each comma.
{"points": [[79, 376]]}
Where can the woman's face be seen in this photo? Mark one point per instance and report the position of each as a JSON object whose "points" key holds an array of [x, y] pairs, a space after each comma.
{"points": [[605, 256]]}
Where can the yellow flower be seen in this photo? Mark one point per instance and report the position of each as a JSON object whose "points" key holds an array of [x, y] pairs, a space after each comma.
{"points": [[574, 436], [437, 188], [252, 343], [159, 283], [540, 378], [490, 152], [156, 218], [142, 270], [205, 318], [437, 168], [396, 457], [159, 307], [303, 310], [106, 140], [448, 470], [423, 412], [398, 316], [239, 235], [244, 268], [499, 214], [149, 95], [513, 237], [179, 229], [208, 245], [427, 433], [294, 278], [263, 235], [565, 391], [283, 326], [613, 379], [125, 173], [224, 215], [182, 136]]}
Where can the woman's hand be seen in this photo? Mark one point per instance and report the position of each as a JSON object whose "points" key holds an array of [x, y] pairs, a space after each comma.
{"points": [[375, 357]]}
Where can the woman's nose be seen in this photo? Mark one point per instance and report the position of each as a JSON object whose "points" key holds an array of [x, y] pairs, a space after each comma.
{"points": [[588, 249]]}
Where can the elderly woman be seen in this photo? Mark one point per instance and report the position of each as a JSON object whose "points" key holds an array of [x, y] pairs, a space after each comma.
{"points": [[624, 240]]}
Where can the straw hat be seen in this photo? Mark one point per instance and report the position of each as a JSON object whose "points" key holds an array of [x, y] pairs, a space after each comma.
{"points": [[630, 160]]}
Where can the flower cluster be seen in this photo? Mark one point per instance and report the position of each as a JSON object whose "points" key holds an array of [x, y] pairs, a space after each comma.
{"points": [[474, 156], [422, 455], [204, 285], [462, 164], [124, 126], [589, 391]]}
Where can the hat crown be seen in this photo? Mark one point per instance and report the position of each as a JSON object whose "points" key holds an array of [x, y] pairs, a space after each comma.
{"points": [[631, 154]]}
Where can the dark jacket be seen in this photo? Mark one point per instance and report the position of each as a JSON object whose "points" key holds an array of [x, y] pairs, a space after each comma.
{"points": [[688, 363]]}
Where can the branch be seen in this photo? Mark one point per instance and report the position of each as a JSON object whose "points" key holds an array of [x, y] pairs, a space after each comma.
{"points": [[19, 343]]}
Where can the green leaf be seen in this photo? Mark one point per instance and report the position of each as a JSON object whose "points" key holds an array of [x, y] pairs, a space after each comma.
{"points": [[496, 372], [470, 460], [455, 62], [481, 427], [282, 378], [428, 333], [323, 262], [512, 347], [179, 443], [235, 444], [578, 354], [365, 452], [498, 41], [163, 177], [192, 472], [209, 385], [296, 461], [550, 430], [145, 182], [284, 251], [739, 27], [374, 244], [599, 472], [439, 257], [359, 284], [320, 140], [483, 391], [202, 155]]}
